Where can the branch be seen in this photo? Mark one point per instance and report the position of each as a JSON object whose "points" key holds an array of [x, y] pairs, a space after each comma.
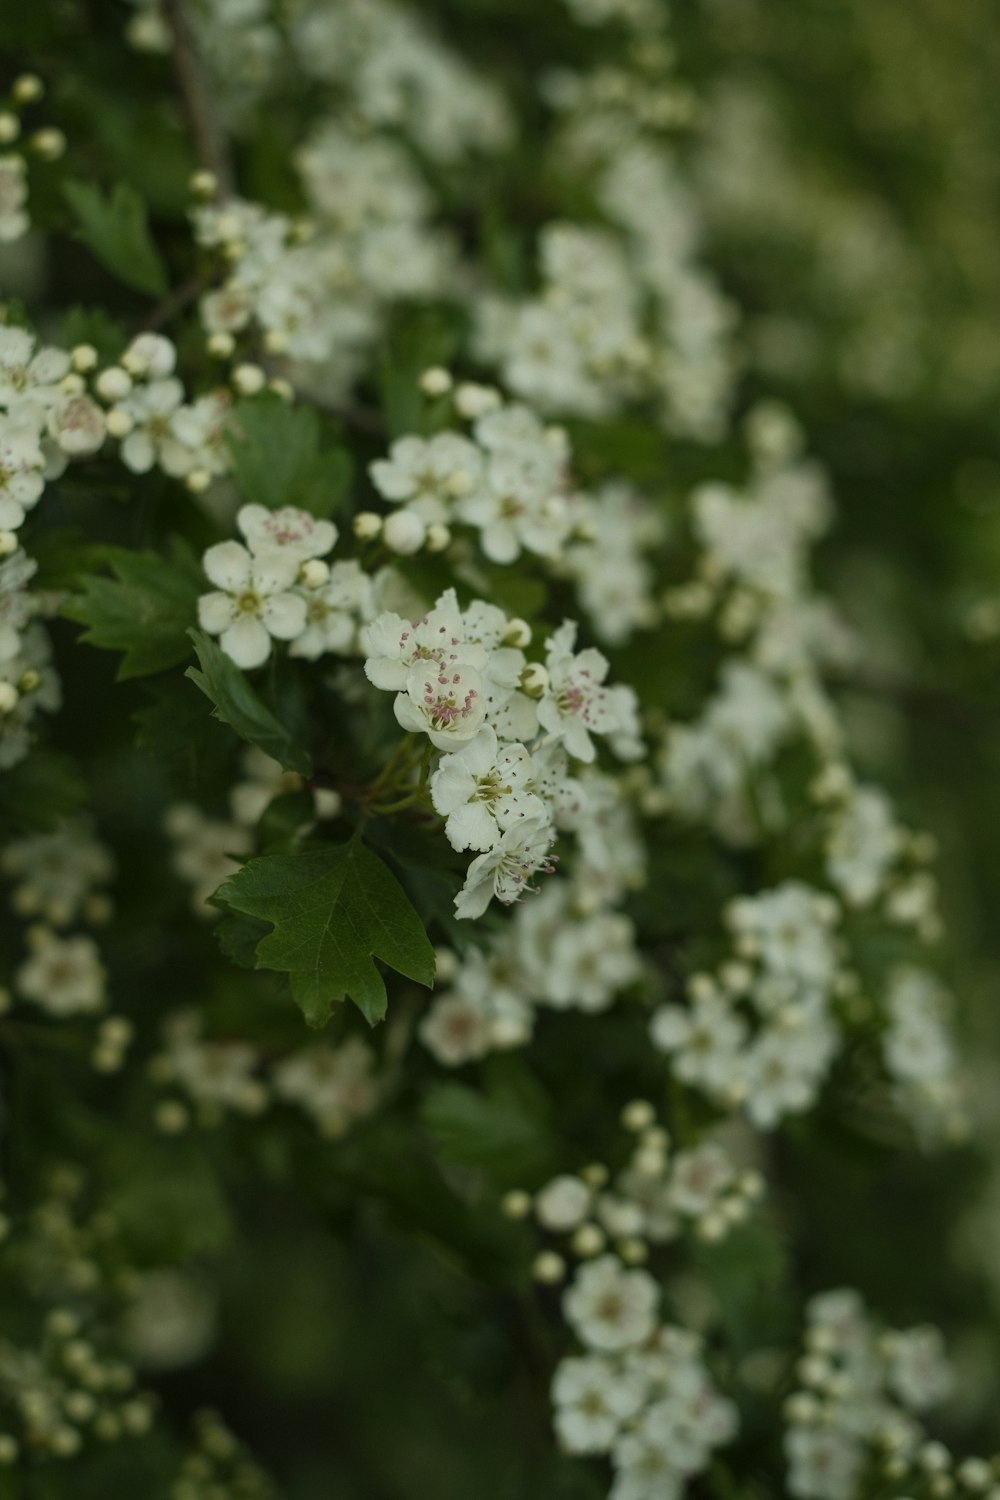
{"points": [[196, 92]]}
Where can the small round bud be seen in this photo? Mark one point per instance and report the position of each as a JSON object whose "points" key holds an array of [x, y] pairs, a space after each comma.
{"points": [[563, 1203], [49, 144], [534, 679], [8, 543], [72, 384], [404, 532], [548, 1267], [518, 633], [282, 387], [8, 1449], [367, 525], [638, 1115], [712, 1227], [171, 1117], [203, 185], [113, 384], [314, 573], [275, 341], [934, 1457], [220, 345], [473, 400], [438, 537], [10, 127], [516, 1204], [198, 481], [28, 680], [249, 379], [975, 1474], [634, 1252], [28, 89], [83, 357], [595, 1174], [326, 802], [588, 1240], [9, 697], [120, 422], [436, 381]]}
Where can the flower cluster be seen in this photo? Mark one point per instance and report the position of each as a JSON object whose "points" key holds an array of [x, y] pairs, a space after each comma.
{"points": [[860, 1388]]}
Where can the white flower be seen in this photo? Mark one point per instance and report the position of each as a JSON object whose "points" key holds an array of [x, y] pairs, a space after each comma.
{"points": [[609, 1307], [575, 704], [335, 1085], [334, 612], [428, 474], [393, 645], [64, 976], [919, 1373], [255, 602], [152, 439], [78, 426], [204, 850], [29, 378], [563, 1203], [292, 532], [482, 791], [218, 1074], [593, 1398], [456, 1029], [823, 1464], [697, 1178], [444, 702], [21, 463], [150, 356], [506, 869]]}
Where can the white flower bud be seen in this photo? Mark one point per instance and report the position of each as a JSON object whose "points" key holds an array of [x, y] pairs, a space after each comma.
{"points": [[404, 532], [10, 128], [516, 1204], [120, 422], [28, 89], [171, 1117], [221, 345], [282, 387], [275, 341], [203, 185], [548, 1267], [473, 400], [28, 681], [314, 573], [326, 802], [83, 357], [9, 697], [633, 1252], [595, 1175], [436, 381], [367, 525], [638, 1115], [249, 379], [438, 537], [8, 543], [198, 481], [589, 1239], [49, 143], [113, 384], [518, 633], [534, 679]]}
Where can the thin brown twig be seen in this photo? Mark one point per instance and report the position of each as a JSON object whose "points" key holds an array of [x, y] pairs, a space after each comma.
{"points": [[174, 303], [206, 127]]}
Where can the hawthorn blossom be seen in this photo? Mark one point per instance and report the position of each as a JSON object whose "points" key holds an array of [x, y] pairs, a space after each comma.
{"points": [[575, 704], [289, 531], [255, 601], [21, 465], [506, 870], [609, 1307], [482, 790]]}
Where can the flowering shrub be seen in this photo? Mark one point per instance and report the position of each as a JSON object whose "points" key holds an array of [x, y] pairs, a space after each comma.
{"points": [[464, 967]]}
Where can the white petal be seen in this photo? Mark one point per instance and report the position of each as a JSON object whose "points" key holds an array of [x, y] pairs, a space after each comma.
{"points": [[247, 643], [284, 615], [451, 785], [472, 827], [215, 613], [227, 564]]}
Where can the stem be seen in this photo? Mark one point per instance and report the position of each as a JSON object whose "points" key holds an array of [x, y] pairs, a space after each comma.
{"points": [[173, 303], [196, 92]]}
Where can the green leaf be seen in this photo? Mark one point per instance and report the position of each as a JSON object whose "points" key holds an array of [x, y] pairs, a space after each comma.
{"points": [[145, 610], [492, 1132], [236, 703], [334, 910], [277, 457], [116, 231], [238, 936]]}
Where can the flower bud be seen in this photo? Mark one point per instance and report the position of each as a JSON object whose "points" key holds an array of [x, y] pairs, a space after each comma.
{"points": [[10, 128], [314, 573], [83, 357], [367, 525], [438, 537], [436, 381], [49, 144], [28, 89], [203, 185], [221, 345], [404, 532], [518, 633], [120, 422], [534, 679], [9, 697], [548, 1267], [113, 384], [249, 379]]}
